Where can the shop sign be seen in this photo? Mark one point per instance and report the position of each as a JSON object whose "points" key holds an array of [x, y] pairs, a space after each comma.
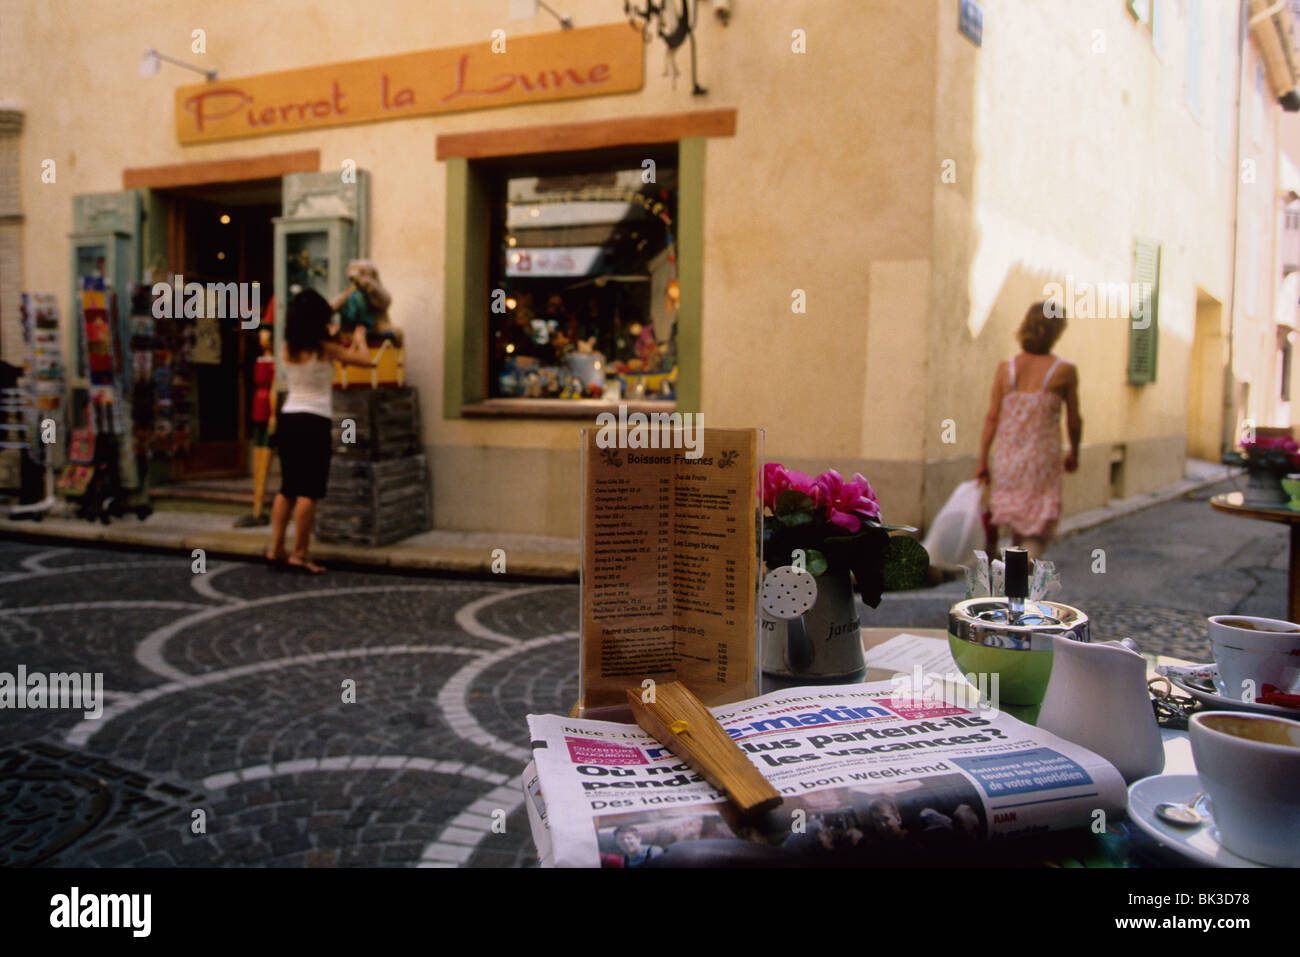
{"points": [[544, 261], [504, 71]]}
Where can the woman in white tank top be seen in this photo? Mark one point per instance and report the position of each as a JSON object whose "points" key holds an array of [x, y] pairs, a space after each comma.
{"points": [[302, 431]]}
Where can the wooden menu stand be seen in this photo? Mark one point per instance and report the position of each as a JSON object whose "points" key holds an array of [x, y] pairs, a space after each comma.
{"points": [[681, 723]]}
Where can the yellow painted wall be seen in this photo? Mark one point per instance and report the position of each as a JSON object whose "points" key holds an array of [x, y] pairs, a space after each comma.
{"points": [[832, 184], [1072, 138]]}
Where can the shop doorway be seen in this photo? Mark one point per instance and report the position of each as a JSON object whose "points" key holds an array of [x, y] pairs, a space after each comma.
{"points": [[219, 234], [1206, 381]]}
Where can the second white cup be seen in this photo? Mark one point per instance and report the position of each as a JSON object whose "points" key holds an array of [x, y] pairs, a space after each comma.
{"points": [[1252, 652]]}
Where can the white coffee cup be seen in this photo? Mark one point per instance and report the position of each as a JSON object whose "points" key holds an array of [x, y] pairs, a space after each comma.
{"points": [[1252, 652], [1249, 765]]}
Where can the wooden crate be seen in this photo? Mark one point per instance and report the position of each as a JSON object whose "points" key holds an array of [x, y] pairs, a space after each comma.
{"points": [[385, 423], [375, 503]]}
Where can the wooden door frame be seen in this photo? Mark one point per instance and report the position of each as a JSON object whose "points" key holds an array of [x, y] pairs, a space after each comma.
{"points": [[167, 179]]}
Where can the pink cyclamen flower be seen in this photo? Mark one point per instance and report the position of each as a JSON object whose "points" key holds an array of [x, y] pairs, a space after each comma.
{"points": [[802, 482], [774, 483], [847, 503], [777, 479], [1285, 443]]}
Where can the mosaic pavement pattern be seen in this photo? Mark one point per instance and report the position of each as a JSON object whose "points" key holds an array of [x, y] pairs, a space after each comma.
{"points": [[256, 718]]}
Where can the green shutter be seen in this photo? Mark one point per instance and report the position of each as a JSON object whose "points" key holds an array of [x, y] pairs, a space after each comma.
{"points": [[465, 288], [690, 258], [1144, 332]]}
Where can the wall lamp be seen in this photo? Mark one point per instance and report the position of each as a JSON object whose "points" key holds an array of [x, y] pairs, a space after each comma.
{"points": [[151, 63]]}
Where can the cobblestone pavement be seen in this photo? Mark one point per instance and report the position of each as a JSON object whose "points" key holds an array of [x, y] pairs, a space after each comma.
{"points": [[225, 692], [227, 713], [1154, 576]]}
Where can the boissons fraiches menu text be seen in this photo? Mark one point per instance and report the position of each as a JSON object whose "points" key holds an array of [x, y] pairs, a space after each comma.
{"points": [[670, 561]]}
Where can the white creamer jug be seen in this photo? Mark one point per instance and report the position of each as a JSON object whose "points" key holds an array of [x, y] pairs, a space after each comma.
{"points": [[1097, 698]]}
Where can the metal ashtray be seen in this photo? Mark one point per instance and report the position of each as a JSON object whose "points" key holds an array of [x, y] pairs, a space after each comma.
{"points": [[985, 638]]}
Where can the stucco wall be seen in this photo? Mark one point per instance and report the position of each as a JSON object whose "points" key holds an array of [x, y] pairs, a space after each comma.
{"points": [[833, 184], [1072, 138], [822, 189]]}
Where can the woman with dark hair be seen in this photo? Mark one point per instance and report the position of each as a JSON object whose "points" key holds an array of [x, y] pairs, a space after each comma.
{"points": [[1024, 427], [303, 426]]}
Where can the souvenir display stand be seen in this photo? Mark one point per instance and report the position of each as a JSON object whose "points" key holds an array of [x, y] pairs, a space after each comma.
{"points": [[162, 383], [41, 399], [15, 414], [105, 254], [101, 472]]}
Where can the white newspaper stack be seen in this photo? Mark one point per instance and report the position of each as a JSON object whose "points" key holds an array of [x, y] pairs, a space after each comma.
{"points": [[870, 772]]}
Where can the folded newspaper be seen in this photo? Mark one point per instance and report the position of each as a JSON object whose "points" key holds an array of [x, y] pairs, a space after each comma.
{"points": [[870, 773]]}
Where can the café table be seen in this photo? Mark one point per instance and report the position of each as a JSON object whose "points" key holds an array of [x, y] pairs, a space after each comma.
{"points": [[1177, 747], [1061, 848], [1233, 503]]}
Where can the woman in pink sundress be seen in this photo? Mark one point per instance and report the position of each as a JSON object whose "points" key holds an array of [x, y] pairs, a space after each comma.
{"points": [[1024, 427]]}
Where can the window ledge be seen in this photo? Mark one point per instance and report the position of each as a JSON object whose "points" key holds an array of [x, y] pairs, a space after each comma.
{"points": [[557, 408]]}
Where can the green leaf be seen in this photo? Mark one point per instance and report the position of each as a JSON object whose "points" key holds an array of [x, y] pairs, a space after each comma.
{"points": [[815, 562], [906, 563], [794, 508]]}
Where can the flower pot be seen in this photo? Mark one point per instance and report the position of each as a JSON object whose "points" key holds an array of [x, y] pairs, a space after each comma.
{"points": [[827, 649], [1264, 487]]}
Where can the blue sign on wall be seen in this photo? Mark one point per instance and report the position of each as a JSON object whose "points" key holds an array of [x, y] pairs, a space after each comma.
{"points": [[971, 21]]}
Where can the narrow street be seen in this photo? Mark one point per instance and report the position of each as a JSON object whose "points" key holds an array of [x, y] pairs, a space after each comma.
{"points": [[1154, 576]]}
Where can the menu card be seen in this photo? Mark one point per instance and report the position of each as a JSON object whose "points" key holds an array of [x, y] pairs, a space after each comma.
{"points": [[670, 566]]}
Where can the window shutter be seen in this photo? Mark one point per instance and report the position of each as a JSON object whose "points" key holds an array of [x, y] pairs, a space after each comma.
{"points": [[1143, 333]]}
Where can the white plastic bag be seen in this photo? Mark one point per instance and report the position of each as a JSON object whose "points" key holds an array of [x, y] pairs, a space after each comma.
{"points": [[957, 530]]}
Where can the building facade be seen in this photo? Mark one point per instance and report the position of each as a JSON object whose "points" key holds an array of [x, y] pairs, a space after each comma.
{"points": [[834, 240]]}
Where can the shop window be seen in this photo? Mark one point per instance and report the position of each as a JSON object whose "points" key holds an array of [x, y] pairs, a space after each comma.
{"points": [[582, 277], [479, 166]]}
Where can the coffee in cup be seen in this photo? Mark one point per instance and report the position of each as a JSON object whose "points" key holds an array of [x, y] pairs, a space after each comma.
{"points": [[1252, 652], [1249, 764], [1271, 625]]}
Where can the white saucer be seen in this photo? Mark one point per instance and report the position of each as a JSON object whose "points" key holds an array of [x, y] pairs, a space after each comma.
{"points": [[1177, 678], [1198, 844]]}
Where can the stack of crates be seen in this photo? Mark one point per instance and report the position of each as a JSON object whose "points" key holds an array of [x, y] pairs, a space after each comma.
{"points": [[379, 489]]}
